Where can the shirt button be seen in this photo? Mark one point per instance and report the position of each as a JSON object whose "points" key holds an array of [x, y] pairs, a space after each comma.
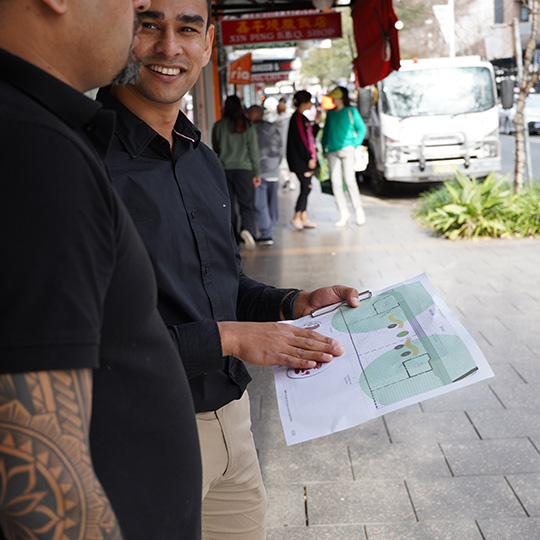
{"points": [[206, 270], [193, 215]]}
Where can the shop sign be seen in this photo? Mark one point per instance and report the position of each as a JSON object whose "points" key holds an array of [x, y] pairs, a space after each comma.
{"points": [[269, 77], [270, 66], [289, 28], [240, 70]]}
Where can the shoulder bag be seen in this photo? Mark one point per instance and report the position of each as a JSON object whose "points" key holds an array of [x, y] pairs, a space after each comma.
{"points": [[361, 154]]}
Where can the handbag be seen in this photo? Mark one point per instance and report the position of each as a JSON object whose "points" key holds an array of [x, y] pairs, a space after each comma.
{"points": [[361, 154], [361, 158]]}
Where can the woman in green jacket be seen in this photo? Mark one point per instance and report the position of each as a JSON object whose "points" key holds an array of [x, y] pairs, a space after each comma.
{"points": [[344, 130], [234, 140]]}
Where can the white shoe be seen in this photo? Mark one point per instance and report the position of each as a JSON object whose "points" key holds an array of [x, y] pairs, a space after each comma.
{"points": [[247, 238], [360, 216], [343, 220], [297, 224]]}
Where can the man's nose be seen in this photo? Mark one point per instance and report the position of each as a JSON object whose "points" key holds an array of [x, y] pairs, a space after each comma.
{"points": [[141, 5], [168, 43]]}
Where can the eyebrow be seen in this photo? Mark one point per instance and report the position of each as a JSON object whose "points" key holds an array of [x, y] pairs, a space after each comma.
{"points": [[160, 16]]}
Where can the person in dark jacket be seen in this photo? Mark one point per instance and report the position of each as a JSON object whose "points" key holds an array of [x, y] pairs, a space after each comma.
{"points": [[301, 156], [266, 194]]}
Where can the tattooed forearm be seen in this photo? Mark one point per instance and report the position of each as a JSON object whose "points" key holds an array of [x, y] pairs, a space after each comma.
{"points": [[48, 488]]}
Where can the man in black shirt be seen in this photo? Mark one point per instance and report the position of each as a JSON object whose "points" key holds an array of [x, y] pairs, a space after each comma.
{"points": [[175, 189], [97, 427]]}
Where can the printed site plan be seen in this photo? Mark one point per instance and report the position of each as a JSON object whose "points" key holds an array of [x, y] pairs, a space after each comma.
{"points": [[402, 346]]}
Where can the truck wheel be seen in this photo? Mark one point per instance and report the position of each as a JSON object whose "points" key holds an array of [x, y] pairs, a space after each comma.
{"points": [[379, 184]]}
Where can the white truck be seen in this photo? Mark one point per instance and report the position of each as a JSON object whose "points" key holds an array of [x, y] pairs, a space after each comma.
{"points": [[431, 118]]}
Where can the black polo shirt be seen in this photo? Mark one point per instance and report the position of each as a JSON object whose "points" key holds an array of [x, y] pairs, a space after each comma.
{"points": [[77, 291], [180, 205]]}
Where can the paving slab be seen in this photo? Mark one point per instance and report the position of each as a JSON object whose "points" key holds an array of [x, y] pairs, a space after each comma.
{"points": [[401, 461], [427, 530], [478, 497], [358, 502], [510, 529], [527, 489], [493, 457], [493, 424], [429, 426], [286, 505], [319, 532], [477, 396]]}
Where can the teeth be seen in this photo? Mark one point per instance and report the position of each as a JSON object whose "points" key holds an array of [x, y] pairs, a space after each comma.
{"points": [[165, 70]]}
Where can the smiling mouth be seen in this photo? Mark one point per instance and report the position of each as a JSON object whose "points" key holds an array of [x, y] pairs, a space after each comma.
{"points": [[165, 70]]}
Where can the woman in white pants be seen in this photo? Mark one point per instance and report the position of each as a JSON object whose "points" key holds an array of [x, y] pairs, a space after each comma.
{"points": [[344, 130]]}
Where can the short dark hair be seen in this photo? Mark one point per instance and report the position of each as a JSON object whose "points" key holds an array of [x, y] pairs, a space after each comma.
{"points": [[209, 6], [302, 96]]}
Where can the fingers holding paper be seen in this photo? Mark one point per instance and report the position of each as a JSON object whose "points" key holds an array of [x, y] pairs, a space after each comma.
{"points": [[309, 301], [275, 344]]}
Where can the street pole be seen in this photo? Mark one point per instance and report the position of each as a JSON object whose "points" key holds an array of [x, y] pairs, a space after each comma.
{"points": [[519, 64], [452, 33]]}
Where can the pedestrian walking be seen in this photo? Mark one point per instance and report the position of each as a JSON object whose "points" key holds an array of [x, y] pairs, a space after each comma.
{"points": [[343, 131], [302, 156], [266, 194], [234, 140]]}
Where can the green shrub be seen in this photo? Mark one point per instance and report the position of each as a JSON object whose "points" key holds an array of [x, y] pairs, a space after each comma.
{"points": [[467, 208], [525, 212]]}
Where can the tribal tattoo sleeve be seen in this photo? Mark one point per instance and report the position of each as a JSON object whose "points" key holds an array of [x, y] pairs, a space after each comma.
{"points": [[48, 488]]}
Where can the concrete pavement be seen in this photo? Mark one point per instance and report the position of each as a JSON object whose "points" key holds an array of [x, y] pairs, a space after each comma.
{"points": [[463, 466]]}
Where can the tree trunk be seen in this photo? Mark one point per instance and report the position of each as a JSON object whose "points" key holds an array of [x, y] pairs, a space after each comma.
{"points": [[528, 80]]}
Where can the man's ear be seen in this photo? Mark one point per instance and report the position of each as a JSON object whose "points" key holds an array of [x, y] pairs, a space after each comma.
{"points": [[58, 6], [208, 44]]}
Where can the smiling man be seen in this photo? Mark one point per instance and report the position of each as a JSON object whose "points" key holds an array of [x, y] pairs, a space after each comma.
{"points": [[98, 438], [175, 189]]}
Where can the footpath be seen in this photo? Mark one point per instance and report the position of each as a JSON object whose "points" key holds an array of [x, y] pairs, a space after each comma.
{"points": [[463, 466]]}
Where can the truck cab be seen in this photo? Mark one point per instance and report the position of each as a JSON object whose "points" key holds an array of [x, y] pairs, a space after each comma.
{"points": [[432, 118]]}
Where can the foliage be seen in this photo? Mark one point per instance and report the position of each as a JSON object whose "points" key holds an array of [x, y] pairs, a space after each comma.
{"points": [[525, 212], [332, 65], [467, 208]]}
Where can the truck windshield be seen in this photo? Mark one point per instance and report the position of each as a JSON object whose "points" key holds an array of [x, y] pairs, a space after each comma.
{"points": [[427, 92]]}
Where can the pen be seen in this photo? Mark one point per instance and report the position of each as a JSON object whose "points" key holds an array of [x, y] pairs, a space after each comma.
{"points": [[328, 309]]}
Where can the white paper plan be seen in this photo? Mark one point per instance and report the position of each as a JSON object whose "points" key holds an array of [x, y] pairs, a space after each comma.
{"points": [[402, 346]]}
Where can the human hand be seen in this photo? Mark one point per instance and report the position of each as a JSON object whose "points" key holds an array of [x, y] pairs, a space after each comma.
{"points": [[257, 181], [276, 344], [308, 301], [312, 163]]}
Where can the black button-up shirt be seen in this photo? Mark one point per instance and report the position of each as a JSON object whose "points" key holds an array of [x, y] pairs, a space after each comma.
{"points": [[180, 204]]}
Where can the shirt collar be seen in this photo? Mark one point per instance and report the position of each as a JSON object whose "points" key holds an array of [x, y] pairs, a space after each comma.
{"points": [[66, 103], [61, 99], [135, 134]]}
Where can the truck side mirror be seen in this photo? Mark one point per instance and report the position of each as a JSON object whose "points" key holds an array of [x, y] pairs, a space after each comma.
{"points": [[507, 93]]}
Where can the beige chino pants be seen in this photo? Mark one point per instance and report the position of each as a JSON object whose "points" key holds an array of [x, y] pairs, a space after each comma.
{"points": [[234, 499]]}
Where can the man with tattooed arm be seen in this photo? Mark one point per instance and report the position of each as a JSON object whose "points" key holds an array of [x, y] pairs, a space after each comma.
{"points": [[97, 429]]}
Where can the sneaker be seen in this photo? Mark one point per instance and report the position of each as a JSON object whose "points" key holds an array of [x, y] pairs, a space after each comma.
{"points": [[308, 224], [265, 241], [247, 238]]}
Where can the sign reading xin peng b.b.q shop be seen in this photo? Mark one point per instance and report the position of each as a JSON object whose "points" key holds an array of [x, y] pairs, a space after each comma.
{"points": [[290, 28]]}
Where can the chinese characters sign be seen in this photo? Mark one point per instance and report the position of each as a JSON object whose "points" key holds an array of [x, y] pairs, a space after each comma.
{"points": [[290, 28]]}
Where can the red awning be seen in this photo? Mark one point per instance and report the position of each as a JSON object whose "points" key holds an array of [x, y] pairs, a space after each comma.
{"points": [[376, 40]]}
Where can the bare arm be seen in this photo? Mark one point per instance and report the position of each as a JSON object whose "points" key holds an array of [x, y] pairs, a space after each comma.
{"points": [[47, 481]]}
